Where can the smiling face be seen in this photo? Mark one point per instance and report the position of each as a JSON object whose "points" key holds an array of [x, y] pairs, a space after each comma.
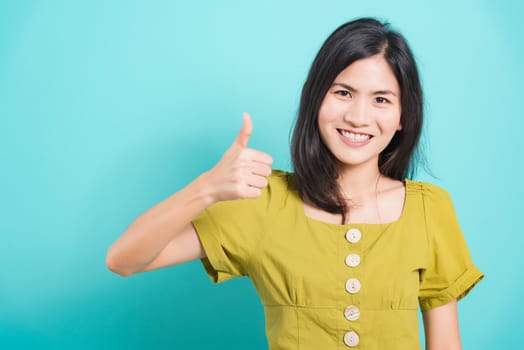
{"points": [[361, 112]]}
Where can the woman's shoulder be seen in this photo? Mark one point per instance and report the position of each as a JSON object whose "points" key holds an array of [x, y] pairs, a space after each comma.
{"points": [[426, 187], [280, 188], [279, 174], [432, 194], [280, 180]]}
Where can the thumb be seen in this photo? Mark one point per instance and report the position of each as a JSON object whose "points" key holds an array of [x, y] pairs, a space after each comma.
{"points": [[245, 132]]}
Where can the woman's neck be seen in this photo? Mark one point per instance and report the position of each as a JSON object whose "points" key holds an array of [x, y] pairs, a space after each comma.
{"points": [[359, 183]]}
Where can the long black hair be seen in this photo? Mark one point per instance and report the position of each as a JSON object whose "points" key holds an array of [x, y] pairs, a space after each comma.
{"points": [[316, 169]]}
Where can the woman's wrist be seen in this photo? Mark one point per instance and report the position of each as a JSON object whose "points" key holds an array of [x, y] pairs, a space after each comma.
{"points": [[203, 188]]}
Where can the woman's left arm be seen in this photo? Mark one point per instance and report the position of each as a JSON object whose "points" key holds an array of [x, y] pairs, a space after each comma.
{"points": [[441, 327]]}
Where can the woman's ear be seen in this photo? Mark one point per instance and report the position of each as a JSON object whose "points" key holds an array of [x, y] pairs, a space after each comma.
{"points": [[399, 127]]}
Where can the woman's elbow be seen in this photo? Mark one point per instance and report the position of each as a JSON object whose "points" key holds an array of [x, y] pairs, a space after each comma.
{"points": [[113, 265]]}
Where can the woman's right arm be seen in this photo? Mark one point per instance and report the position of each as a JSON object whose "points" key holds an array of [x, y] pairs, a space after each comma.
{"points": [[164, 235]]}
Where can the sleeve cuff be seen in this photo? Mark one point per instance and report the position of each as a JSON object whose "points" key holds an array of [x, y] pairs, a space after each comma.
{"points": [[458, 290]]}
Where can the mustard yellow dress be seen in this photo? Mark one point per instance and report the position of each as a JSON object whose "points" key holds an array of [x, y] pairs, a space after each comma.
{"points": [[327, 286]]}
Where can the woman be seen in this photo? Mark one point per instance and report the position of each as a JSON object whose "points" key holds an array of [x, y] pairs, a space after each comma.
{"points": [[344, 250]]}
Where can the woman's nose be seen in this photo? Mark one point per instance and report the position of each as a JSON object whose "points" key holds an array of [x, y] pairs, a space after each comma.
{"points": [[357, 113]]}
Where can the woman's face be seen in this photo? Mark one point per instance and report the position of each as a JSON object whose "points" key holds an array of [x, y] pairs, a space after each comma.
{"points": [[361, 112]]}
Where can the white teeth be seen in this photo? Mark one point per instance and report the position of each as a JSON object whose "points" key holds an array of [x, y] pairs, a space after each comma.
{"points": [[355, 137]]}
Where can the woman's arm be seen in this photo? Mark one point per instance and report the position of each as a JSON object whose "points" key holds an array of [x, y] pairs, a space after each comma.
{"points": [[163, 230], [164, 236], [441, 327]]}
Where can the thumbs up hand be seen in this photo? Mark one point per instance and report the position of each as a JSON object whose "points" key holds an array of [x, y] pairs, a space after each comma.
{"points": [[242, 172]]}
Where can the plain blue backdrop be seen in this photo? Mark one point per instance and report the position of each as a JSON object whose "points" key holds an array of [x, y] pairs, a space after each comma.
{"points": [[108, 107]]}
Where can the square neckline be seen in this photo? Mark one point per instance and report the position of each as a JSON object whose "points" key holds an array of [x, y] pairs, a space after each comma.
{"points": [[406, 202]]}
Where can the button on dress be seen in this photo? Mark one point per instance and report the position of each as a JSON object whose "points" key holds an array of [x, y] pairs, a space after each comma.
{"points": [[329, 286]]}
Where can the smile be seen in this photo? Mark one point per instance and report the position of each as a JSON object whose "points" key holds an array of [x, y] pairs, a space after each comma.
{"points": [[355, 137]]}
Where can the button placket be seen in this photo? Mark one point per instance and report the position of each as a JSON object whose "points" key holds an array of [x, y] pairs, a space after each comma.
{"points": [[353, 286]]}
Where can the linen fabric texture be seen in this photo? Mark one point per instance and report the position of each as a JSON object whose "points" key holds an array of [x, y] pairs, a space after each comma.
{"points": [[297, 265]]}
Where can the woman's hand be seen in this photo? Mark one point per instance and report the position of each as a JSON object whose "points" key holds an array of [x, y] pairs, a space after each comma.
{"points": [[242, 172]]}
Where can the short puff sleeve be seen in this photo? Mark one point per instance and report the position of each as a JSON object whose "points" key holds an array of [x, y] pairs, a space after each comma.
{"points": [[231, 230], [450, 273]]}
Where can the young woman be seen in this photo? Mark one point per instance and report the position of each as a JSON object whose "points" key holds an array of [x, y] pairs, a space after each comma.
{"points": [[344, 250]]}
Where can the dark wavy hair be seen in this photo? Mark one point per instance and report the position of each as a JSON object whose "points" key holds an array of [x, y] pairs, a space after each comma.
{"points": [[316, 169]]}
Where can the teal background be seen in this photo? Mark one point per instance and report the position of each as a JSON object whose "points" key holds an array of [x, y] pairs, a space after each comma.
{"points": [[108, 107]]}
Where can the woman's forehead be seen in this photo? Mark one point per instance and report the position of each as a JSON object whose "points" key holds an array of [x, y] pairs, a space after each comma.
{"points": [[369, 74]]}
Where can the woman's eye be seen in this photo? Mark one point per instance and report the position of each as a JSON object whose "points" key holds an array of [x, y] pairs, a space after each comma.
{"points": [[343, 93], [381, 100]]}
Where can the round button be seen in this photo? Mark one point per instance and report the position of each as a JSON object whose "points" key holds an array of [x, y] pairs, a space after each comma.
{"points": [[353, 260], [352, 313], [351, 339], [353, 285], [353, 235]]}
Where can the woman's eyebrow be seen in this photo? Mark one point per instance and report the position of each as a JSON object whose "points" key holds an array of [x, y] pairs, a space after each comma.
{"points": [[352, 89]]}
